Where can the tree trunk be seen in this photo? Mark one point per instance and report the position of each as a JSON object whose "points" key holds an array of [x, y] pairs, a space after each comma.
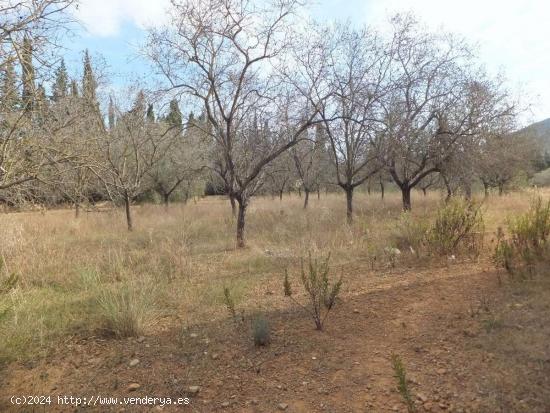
{"points": [[500, 189], [77, 209], [468, 191], [349, 203], [306, 198], [166, 200], [128, 213], [424, 191], [241, 221], [406, 195], [486, 189], [318, 193], [233, 205], [449, 190], [281, 195], [382, 187], [300, 192]]}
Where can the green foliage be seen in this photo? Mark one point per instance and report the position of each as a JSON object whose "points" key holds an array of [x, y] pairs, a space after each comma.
{"points": [[402, 386], [320, 292], [9, 282], [229, 302], [526, 249], [411, 233], [458, 223], [261, 331], [458, 226]]}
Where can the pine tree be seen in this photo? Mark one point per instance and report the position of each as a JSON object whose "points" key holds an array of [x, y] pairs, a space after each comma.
{"points": [[61, 84], [27, 70], [89, 83], [9, 96], [150, 113], [174, 117], [112, 119]]}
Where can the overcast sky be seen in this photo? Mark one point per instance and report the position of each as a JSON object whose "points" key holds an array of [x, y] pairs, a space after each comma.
{"points": [[513, 37]]}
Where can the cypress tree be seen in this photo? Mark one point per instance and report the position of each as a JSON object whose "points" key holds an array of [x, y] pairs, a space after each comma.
{"points": [[74, 89], [9, 96], [174, 117], [111, 114], [89, 83], [150, 113], [61, 84], [27, 70]]}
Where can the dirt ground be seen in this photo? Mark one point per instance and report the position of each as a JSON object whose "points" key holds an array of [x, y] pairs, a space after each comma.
{"points": [[469, 341]]}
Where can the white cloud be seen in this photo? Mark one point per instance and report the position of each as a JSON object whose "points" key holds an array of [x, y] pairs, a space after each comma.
{"points": [[105, 17], [512, 35]]}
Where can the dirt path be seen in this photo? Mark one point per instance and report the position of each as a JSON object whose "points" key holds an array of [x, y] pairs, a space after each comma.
{"points": [[435, 325]]}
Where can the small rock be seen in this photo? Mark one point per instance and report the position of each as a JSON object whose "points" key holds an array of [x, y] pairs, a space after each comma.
{"points": [[314, 358], [133, 362], [193, 335], [441, 371], [422, 397], [215, 356], [225, 404], [282, 406], [194, 389], [254, 401], [427, 406], [133, 386], [140, 339], [355, 311]]}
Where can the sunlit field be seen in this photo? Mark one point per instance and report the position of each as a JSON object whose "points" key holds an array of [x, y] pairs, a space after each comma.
{"points": [[176, 263]]}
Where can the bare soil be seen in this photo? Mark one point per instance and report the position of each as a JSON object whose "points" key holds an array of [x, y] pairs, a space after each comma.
{"points": [[469, 342]]}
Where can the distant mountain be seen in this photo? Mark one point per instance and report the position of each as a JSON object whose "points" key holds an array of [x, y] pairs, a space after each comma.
{"points": [[540, 131]]}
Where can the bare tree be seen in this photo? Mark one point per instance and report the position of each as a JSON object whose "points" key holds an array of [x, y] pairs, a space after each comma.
{"points": [[439, 101], [224, 55], [357, 75], [128, 153]]}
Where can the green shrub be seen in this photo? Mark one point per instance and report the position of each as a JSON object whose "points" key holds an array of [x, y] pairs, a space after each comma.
{"points": [[261, 331], [411, 233], [526, 249], [402, 385], [458, 225], [321, 294]]}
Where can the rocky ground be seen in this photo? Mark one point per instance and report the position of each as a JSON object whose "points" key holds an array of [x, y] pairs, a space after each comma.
{"points": [[469, 343]]}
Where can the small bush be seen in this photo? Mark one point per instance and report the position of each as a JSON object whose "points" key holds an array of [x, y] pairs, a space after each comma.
{"points": [[402, 385], [229, 303], [526, 249], [458, 225], [126, 311], [411, 233], [261, 331], [321, 294]]}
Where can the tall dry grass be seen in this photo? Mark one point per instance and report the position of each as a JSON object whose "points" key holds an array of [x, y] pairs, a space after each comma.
{"points": [[90, 276]]}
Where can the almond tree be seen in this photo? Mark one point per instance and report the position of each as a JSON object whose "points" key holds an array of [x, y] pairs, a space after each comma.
{"points": [[439, 103], [356, 72], [224, 55], [128, 153]]}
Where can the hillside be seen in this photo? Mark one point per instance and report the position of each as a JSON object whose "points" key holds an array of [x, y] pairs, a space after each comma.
{"points": [[540, 130]]}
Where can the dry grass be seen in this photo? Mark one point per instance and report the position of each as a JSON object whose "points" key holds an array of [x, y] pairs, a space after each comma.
{"points": [[73, 273]]}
